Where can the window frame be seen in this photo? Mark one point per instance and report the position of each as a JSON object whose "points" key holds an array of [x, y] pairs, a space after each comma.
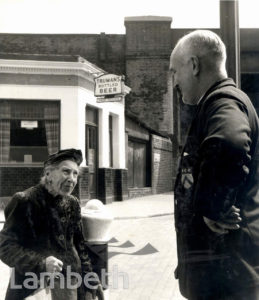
{"points": [[13, 101]]}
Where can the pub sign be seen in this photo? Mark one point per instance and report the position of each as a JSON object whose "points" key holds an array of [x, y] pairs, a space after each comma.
{"points": [[107, 85]]}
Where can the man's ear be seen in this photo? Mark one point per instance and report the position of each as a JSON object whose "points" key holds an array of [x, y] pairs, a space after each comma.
{"points": [[195, 65]]}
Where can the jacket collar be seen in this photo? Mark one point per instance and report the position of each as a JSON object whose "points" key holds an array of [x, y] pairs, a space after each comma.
{"points": [[217, 85], [49, 197]]}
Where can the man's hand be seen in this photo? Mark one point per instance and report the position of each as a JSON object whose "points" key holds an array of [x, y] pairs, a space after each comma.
{"points": [[227, 222], [53, 264]]}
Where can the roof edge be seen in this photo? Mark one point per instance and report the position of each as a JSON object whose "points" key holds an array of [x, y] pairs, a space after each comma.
{"points": [[148, 19]]}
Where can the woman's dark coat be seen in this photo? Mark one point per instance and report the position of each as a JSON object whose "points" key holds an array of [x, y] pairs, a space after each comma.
{"points": [[218, 169], [39, 225]]}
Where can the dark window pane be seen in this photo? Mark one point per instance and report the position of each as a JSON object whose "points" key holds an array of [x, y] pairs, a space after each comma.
{"points": [[27, 137], [91, 115], [30, 129], [111, 142]]}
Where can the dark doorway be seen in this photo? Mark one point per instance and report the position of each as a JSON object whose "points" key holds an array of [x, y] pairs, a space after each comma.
{"points": [[91, 132], [138, 164]]}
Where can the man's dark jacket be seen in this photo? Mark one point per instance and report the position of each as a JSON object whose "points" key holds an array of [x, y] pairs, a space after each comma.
{"points": [[39, 225], [218, 168]]}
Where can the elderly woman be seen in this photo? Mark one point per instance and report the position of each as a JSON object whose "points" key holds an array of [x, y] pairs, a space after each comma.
{"points": [[43, 233]]}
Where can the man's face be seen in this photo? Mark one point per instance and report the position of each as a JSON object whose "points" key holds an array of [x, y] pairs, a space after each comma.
{"points": [[183, 79], [64, 177]]}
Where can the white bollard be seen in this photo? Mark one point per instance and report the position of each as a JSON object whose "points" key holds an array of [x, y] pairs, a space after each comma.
{"points": [[97, 220]]}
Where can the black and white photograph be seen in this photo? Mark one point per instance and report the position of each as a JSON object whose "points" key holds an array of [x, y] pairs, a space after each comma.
{"points": [[129, 150]]}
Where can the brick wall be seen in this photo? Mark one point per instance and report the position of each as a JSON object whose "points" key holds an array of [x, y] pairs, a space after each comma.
{"points": [[16, 179], [112, 185], [149, 99], [162, 167], [148, 36], [121, 184], [142, 55], [105, 187], [148, 48], [106, 51]]}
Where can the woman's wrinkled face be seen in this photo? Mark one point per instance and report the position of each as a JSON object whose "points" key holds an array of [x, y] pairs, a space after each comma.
{"points": [[63, 178]]}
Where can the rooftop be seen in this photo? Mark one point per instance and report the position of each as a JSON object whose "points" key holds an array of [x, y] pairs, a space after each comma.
{"points": [[41, 57], [148, 19]]}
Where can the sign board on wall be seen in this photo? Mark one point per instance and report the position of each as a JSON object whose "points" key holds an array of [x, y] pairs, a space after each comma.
{"points": [[108, 84], [29, 124], [110, 99]]}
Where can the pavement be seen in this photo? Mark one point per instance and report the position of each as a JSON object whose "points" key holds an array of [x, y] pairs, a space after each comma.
{"points": [[142, 250]]}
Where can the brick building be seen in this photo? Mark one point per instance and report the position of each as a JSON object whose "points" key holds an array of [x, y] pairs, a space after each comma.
{"points": [[47, 104], [149, 159], [142, 55]]}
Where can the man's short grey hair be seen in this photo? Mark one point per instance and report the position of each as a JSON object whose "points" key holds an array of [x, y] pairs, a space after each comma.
{"points": [[204, 43]]}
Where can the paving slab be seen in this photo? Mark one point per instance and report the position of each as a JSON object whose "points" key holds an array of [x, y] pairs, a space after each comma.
{"points": [[148, 206], [147, 267]]}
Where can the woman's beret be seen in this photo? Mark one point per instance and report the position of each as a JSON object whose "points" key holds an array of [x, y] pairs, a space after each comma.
{"points": [[65, 154]]}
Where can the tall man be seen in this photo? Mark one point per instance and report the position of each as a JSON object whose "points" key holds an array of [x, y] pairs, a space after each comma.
{"points": [[43, 233], [216, 189]]}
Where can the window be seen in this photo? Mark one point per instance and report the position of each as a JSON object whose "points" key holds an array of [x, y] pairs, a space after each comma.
{"points": [[91, 117], [29, 130]]}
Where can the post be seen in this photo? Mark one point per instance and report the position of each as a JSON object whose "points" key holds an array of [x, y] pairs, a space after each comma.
{"points": [[230, 34], [96, 221]]}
